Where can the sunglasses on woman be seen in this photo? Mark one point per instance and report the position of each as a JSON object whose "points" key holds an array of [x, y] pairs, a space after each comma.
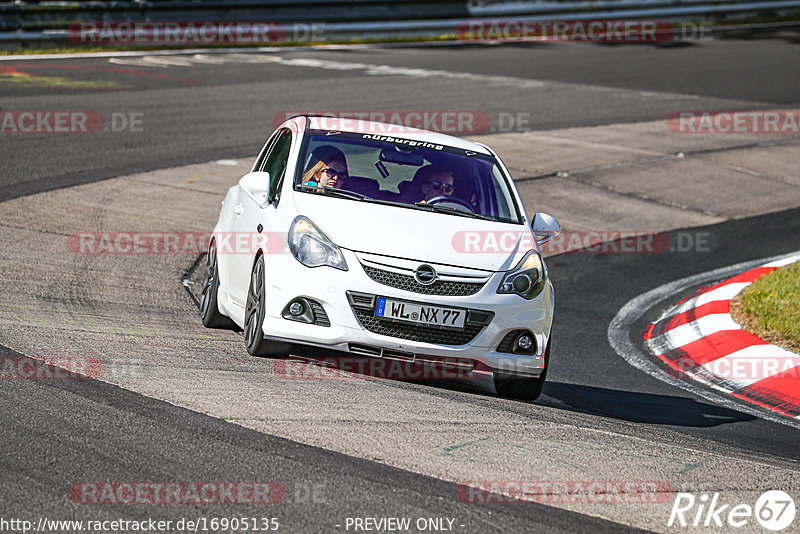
{"points": [[333, 173], [439, 186]]}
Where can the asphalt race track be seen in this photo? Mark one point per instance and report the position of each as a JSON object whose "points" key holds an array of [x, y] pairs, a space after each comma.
{"points": [[205, 111], [198, 408]]}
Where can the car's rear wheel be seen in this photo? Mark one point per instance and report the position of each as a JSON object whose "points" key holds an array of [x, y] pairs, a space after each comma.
{"points": [[254, 318], [209, 309], [522, 387]]}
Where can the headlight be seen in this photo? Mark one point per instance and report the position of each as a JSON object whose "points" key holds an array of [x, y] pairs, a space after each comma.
{"points": [[526, 279], [311, 247]]}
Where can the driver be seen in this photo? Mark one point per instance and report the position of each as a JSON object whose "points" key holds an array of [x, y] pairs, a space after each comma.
{"points": [[327, 167], [435, 181]]}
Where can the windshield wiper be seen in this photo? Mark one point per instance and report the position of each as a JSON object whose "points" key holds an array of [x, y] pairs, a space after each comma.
{"points": [[332, 191], [454, 211]]}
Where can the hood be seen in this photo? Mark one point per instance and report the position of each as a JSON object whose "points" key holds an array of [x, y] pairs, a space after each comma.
{"points": [[417, 234]]}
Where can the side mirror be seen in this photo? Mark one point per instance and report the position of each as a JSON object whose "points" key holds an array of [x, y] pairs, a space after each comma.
{"points": [[256, 186], [545, 228]]}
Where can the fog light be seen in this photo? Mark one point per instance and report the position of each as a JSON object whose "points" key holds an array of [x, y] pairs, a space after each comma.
{"points": [[296, 308], [524, 342], [522, 283]]}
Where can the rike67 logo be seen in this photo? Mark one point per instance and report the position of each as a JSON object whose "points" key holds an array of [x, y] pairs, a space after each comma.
{"points": [[774, 510]]}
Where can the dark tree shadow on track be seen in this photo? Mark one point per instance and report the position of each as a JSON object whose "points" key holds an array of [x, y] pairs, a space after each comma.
{"points": [[639, 407]]}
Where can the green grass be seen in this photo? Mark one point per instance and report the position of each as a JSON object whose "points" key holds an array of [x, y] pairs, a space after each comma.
{"points": [[770, 307]]}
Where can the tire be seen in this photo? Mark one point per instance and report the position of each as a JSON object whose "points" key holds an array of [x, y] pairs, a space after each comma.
{"points": [[522, 387], [209, 308], [254, 312]]}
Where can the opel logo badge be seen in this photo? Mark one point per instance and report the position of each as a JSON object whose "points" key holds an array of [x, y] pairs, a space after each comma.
{"points": [[425, 275]]}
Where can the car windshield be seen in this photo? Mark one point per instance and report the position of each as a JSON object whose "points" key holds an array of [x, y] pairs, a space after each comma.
{"points": [[404, 172]]}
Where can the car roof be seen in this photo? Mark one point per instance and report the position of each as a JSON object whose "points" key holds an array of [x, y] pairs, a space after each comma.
{"points": [[393, 130]]}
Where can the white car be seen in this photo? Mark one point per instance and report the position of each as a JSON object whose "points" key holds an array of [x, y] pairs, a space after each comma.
{"points": [[376, 240]]}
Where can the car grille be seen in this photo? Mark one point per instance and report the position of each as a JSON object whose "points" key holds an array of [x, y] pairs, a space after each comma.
{"points": [[422, 334], [409, 283]]}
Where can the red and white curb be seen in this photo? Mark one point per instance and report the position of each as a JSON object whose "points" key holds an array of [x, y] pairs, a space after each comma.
{"points": [[698, 338]]}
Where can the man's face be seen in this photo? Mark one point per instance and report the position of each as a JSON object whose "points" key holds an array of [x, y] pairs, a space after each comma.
{"points": [[438, 185]]}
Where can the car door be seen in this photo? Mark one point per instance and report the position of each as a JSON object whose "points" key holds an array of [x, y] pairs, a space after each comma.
{"points": [[255, 219]]}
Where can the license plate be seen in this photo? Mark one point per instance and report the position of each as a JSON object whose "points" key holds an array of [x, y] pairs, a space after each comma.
{"points": [[419, 313]]}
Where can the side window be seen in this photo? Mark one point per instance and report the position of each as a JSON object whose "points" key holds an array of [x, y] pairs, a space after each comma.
{"points": [[259, 166], [275, 163]]}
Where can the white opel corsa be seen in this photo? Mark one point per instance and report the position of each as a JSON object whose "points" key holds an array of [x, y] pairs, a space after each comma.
{"points": [[388, 242]]}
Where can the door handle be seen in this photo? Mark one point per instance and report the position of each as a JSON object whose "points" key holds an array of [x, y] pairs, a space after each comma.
{"points": [[238, 209]]}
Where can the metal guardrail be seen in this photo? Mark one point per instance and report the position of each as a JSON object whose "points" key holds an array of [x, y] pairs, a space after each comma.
{"points": [[503, 8], [52, 15], [31, 22]]}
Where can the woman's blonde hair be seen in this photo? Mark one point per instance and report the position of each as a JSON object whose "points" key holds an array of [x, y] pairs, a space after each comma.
{"points": [[312, 172]]}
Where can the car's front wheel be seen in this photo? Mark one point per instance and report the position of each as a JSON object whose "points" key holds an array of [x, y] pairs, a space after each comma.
{"points": [[209, 309], [254, 317], [519, 387]]}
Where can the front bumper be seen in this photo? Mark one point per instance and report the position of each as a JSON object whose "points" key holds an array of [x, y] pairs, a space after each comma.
{"points": [[347, 333]]}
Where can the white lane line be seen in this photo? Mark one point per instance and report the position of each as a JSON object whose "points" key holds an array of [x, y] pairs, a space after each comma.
{"points": [[209, 59], [692, 331], [154, 61], [237, 50], [388, 70], [505, 81], [619, 337], [244, 58], [189, 61]]}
